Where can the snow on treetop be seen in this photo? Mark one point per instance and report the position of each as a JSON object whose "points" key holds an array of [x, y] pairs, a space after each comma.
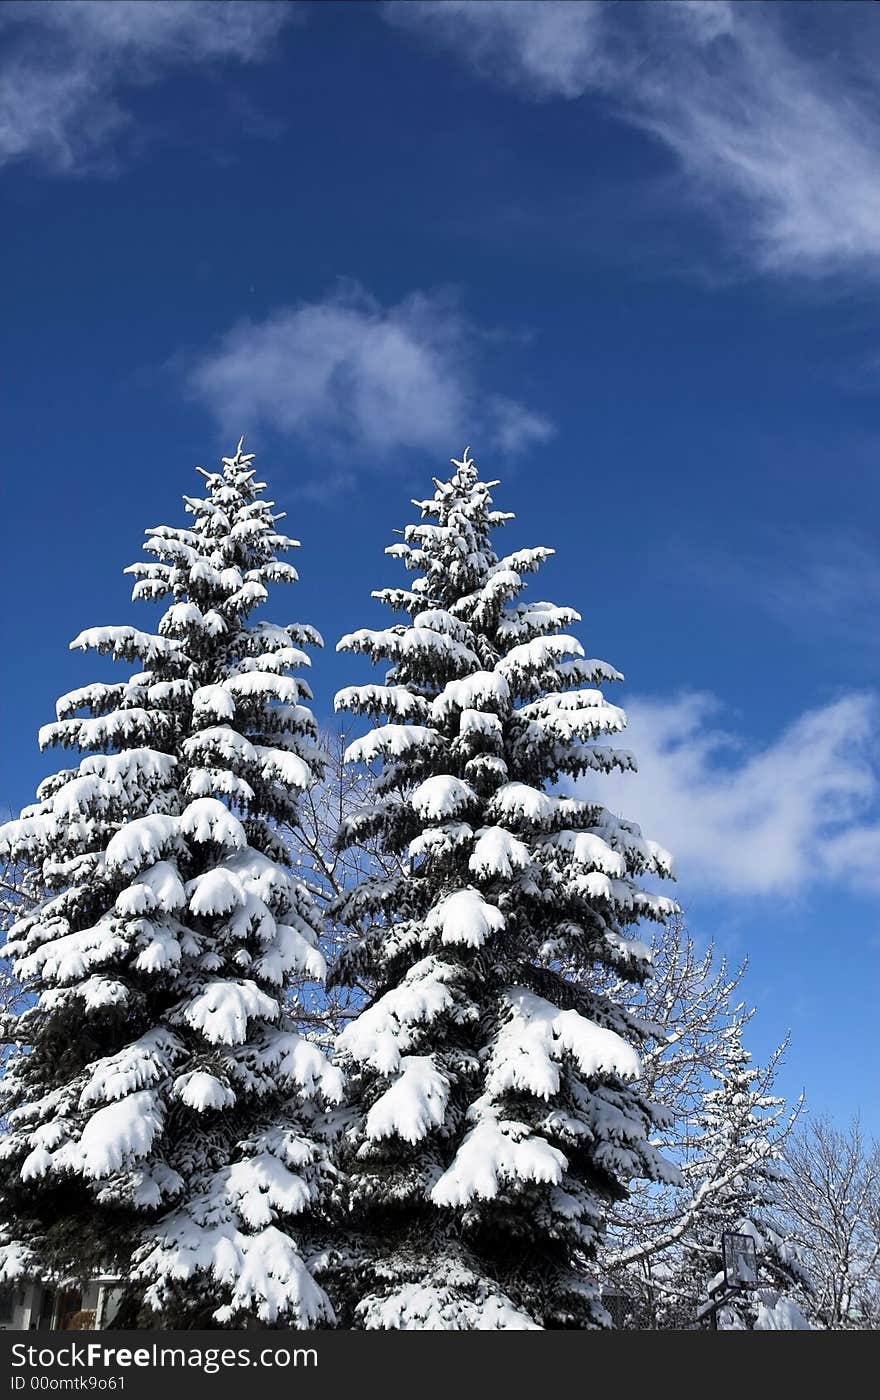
{"points": [[216, 892], [575, 714], [71, 956], [213, 701], [413, 642], [180, 619], [588, 850], [292, 951], [262, 876], [114, 1136], [139, 1065], [478, 722], [298, 1062], [126, 643], [263, 1273], [534, 619], [538, 654], [523, 803], [274, 662], [440, 840], [285, 767], [261, 1186], [139, 767], [116, 729], [158, 888], [266, 684], [454, 1298], [380, 699], [274, 638], [441, 620]]}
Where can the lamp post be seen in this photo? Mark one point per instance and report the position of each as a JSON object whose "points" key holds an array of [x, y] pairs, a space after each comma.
{"points": [[739, 1273]]}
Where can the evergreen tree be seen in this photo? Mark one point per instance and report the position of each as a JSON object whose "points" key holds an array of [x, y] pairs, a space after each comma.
{"points": [[669, 1249], [494, 1110], [738, 1118], [727, 1132], [160, 1121]]}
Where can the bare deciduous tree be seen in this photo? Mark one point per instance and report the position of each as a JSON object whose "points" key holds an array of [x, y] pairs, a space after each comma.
{"points": [[330, 871], [830, 1204], [18, 893]]}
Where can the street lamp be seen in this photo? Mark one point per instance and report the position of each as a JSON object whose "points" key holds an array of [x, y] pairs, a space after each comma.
{"points": [[740, 1272], [740, 1260]]}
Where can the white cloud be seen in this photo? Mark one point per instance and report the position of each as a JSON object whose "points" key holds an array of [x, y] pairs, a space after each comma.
{"points": [[64, 65], [350, 373], [784, 148], [800, 811]]}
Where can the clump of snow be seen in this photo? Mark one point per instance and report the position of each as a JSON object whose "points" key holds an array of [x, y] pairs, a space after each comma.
{"points": [[206, 819], [157, 889], [383, 1032], [538, 1036], [415, 1103], [218, 891], [203, 1091], [481, 690], [116, 1135], [222, 1011], [141, 842], [213, 702], [391, 741], [495, 1152], [440, 797], [466, 918], [497, 853]]}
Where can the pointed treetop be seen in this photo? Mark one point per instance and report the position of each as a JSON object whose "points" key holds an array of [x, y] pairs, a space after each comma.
{"points": [[237, 471], [463, 490], [465, 471], [240, 462]]}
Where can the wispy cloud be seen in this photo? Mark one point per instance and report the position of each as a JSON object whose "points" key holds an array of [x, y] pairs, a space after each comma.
{"points": [[776, 819], [65, 67], [349, 373], [824, 584], [782, 145]]}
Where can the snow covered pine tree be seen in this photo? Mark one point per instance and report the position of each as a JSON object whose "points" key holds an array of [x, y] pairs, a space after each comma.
{"points": [[159, 1123], [742, 1120], [727, 1134], [493, 1110]]}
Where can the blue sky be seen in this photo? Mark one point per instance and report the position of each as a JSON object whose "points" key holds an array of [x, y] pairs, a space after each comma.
{"points": [[629, 253]]}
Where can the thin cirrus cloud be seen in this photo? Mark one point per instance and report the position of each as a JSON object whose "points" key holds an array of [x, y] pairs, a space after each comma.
{"points": [[351, 374], [782, 146], [822, 584], [65, 67], [801, 811]]}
